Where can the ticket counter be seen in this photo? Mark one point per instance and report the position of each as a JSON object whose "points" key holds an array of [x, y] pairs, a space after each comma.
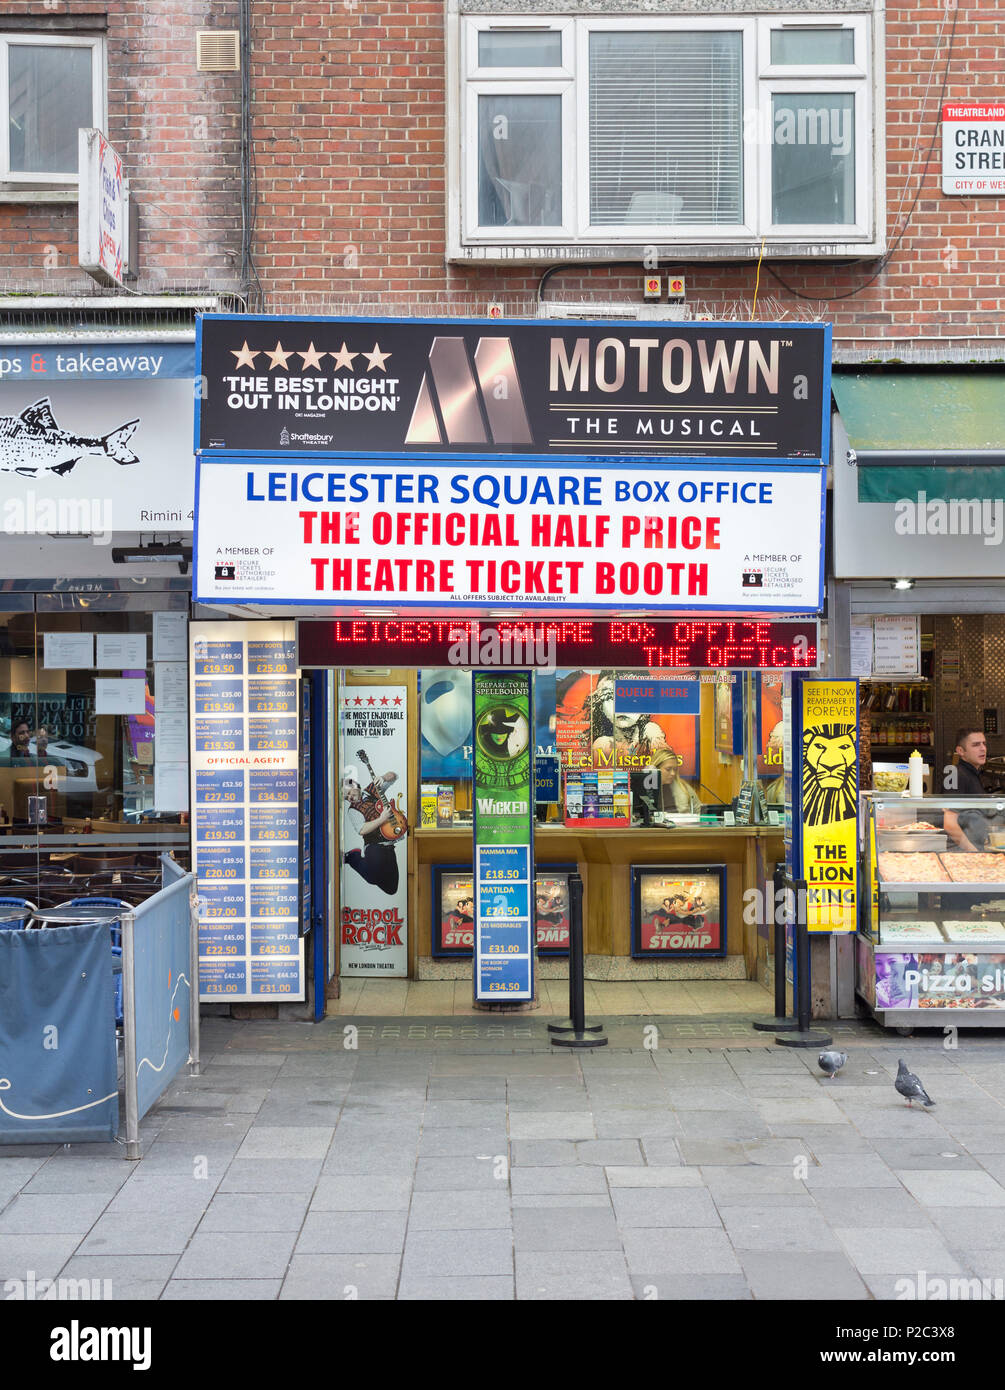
{"points": [[663, 790]]}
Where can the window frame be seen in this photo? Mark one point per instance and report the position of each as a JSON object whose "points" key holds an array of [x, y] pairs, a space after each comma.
{"points": [[762, 80], [632, 231], [12, 177]]}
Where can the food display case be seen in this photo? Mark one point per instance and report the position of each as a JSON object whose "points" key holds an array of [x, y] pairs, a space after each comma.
{"points": [[931, 944]]}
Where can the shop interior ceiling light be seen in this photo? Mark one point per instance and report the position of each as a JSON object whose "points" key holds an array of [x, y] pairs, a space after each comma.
{"points": [[902, 584]]}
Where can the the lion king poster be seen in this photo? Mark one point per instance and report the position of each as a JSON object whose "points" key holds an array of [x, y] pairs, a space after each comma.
{"points": [[829, 803]]}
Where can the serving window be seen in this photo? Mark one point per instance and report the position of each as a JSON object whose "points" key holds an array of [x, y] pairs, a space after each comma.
{"points": [[619, 748]]}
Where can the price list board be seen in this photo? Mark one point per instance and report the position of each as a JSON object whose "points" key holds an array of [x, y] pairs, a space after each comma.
{"points": [[245, 810], [503, 836]]}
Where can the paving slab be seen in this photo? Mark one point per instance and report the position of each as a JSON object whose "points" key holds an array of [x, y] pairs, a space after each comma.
{"points": [[684, 1288], [119, 1277], [605, 1152], [664, 1206], [459, 1211], [827, 1275], [558, 1180], [890, 1250], [466, 1141], [352, 1232], [462, 1252], [551, 1124], [870, 1206], [222, 1290], [287, 1141], [969, 1229], [271, 1175], [44, 1255], [246, 1211], [460, 1174], [778, 1228], [952, 1188], [341, 1277], [358, 1192], [581, 1276], [239, 1255], [675, 1251], [653, 1176], [46, 1214], [477, 1288], [565, 1228]]}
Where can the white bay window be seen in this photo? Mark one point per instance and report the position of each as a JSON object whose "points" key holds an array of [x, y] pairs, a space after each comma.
{"points": [[603, 132]]}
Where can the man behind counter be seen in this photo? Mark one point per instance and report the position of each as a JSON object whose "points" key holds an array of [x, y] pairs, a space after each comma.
{"points": [[966, 827]]}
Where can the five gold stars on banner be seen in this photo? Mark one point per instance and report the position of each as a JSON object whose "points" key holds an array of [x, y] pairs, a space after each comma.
{"points": [[311, 358]]}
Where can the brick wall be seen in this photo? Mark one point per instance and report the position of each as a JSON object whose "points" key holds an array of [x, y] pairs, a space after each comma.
{"points": [[178, 132], [353, 181], [350, 139]]}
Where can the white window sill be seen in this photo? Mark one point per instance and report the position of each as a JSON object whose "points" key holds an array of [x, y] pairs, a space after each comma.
{"points": [[548, 254], [38, 195]]}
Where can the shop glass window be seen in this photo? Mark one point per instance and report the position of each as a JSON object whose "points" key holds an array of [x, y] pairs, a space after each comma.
{"points": [[600, 130], [669, 763], [50, 88], [86, 769]]}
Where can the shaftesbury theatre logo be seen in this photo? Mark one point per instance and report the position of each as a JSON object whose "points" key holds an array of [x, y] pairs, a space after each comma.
{"points": [[460, 405]]}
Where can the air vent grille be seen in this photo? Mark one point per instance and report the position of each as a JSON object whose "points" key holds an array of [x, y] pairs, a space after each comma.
{"points": [[217, 50]]}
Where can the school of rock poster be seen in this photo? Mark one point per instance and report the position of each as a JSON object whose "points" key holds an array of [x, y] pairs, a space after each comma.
{"points": [[373, 738]]}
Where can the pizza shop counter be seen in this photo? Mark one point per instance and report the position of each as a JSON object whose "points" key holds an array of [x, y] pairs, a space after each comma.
{"points": [[604, 858]]}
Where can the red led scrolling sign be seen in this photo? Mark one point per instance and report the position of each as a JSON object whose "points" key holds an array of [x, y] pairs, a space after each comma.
{"points": [[639, 644]]}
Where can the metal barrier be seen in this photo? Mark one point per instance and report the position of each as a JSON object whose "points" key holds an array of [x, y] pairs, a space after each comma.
{"points": [[160, 980], [57, 1019]]}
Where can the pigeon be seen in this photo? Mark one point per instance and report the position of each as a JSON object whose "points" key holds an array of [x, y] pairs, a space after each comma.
{"points": [[908, 1085], [830, 1063]]}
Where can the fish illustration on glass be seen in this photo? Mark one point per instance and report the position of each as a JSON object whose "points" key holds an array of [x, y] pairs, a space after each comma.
{"points": [[33, 443]]}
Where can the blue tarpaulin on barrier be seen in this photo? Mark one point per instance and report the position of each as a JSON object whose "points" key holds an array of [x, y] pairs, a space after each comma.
{"points": [[58, 1079], [163, 990]]}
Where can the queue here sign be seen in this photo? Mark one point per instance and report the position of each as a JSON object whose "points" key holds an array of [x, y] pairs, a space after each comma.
{"points": [[458, 535], [973, 148]]}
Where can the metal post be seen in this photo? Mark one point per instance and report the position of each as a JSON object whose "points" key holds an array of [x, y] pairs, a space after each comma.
{"points": [[576, 1032], [193, 971], [779, 1023], [128, 921], [803, 1035]]}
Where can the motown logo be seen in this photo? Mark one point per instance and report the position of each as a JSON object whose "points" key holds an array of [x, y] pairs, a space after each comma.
{"points": [[465, 401]]}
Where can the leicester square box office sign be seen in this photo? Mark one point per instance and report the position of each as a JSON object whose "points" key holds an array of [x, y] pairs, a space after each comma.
{"points": [[337, 470]]}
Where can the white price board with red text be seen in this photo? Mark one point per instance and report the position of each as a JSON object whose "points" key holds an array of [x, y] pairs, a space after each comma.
{"points": [[464, 534]]}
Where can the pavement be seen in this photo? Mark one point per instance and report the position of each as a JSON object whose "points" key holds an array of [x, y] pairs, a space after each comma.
{"points": [[441, 1158]]}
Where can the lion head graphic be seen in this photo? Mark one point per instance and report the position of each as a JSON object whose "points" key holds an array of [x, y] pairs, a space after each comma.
{"points": [[830, 763]]}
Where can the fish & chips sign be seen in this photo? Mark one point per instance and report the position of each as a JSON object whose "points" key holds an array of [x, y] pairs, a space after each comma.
{"points": [[102, 246]]}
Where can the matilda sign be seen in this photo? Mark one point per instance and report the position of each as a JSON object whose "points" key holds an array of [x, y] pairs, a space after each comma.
{"points": [[474, 532], [388, 386]]}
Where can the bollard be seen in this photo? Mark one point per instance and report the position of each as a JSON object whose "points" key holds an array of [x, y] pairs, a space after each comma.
{"points": [[779, 1023], [802, 1035], [575, 1031]]}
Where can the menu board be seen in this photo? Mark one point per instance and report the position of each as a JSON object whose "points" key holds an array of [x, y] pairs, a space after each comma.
{"points": [[896, 646], [245, 810]]}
